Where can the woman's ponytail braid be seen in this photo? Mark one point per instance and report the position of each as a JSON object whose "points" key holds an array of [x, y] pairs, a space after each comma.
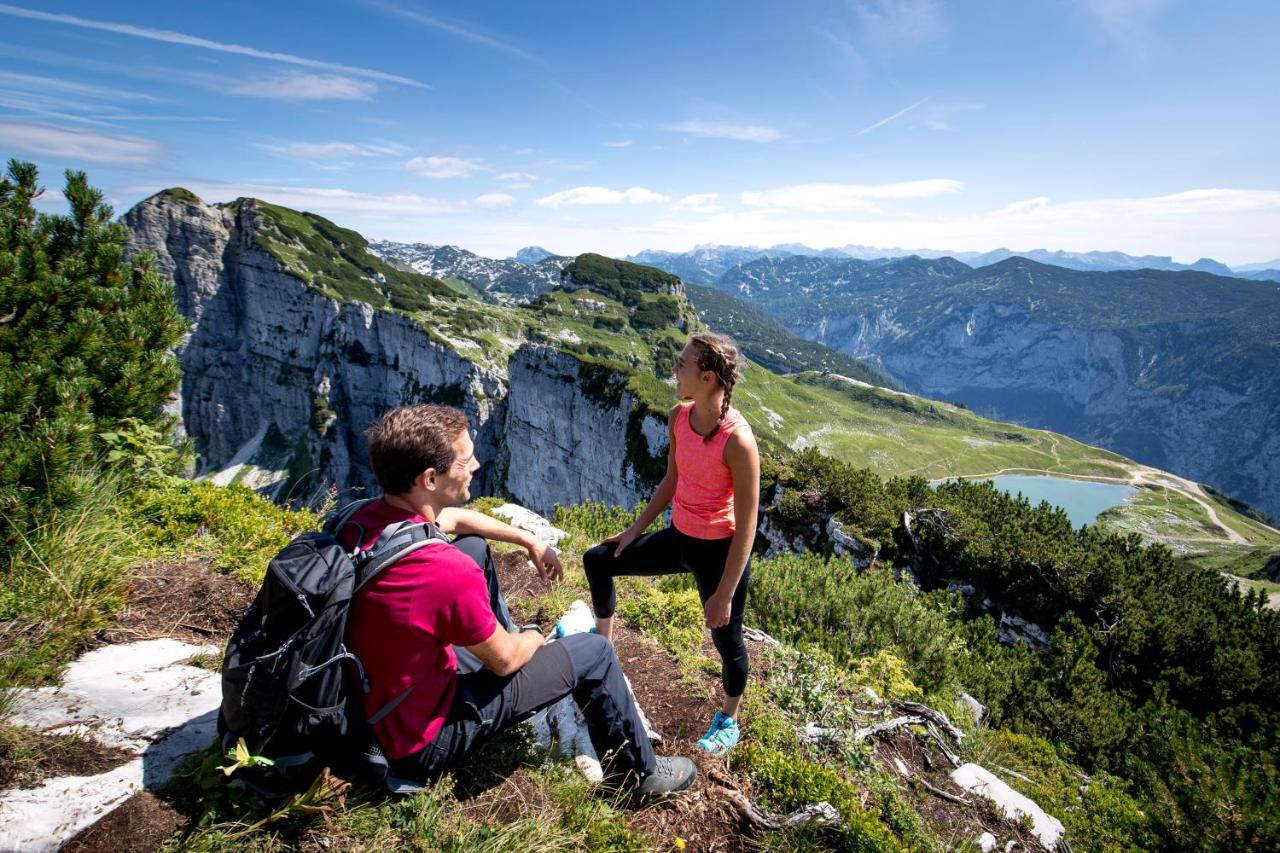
{"points": [[719, 354]]}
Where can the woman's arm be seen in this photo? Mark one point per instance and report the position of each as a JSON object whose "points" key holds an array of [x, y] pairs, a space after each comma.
{"points": [[662, 495], [743, 459], [458, 521]]}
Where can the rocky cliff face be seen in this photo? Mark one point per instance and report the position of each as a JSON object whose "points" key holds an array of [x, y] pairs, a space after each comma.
{"points": [[563, 442], [280, 380], [1099, 386]]}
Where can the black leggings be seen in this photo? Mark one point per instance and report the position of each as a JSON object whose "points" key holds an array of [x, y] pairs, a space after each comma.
{"points": [[666, 552]]}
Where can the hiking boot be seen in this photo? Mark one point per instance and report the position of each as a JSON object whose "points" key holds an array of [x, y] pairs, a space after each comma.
{"points": [[672, 773], [722, 736]]}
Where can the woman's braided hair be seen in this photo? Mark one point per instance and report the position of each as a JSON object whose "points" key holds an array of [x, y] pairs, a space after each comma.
{"points": [[719, 354]]}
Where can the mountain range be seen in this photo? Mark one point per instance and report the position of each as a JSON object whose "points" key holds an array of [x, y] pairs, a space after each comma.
{"points": [[706, 263]]}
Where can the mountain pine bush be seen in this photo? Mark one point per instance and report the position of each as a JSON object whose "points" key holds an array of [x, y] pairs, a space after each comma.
{"points": [[84, 342]]}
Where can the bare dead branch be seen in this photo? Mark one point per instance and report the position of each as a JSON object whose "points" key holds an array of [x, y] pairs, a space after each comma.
{"points": [[887, 726], [820, 814], [938, 792]]}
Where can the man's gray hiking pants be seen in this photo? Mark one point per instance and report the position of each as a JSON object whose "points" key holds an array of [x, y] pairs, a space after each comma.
{"points": [[583, 666]]}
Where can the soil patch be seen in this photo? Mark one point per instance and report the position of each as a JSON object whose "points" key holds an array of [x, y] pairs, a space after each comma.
{"points": [[28, 758], [956, 824], [140, 824], [186, 600]]}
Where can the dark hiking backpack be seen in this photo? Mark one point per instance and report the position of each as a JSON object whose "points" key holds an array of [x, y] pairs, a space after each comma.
{"points": [[290, 687]]}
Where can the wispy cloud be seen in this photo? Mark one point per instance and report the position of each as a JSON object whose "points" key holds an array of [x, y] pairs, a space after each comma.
{"points": [[832, 198], [941, 116], [516, 180], [601, 196], [727, 130], [466, 33], [76, 145], [38, 83], [1131, 24], [899, 114], [172, 37], [618, 143], [334, 150], [900, 23], [334, 201], [699, 203], [301, 86], [491, 200], [444, 167]]}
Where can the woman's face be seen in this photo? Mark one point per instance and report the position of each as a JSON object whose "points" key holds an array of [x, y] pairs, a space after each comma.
{"points": [[689, 379]]}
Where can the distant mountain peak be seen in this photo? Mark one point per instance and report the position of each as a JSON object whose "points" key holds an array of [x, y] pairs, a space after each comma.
{"points": [[530, 255]]}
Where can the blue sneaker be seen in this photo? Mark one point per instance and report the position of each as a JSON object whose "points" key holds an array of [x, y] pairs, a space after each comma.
{"points": [[722, 736]]}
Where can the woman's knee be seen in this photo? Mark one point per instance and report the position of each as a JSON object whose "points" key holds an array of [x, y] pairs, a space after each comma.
{"points": [[595, 562]]}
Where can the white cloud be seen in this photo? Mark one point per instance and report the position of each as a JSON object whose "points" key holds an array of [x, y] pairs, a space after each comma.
{"points": [[301, 86], [900, 23], [172, 37], [333, 150], [899, 114], [699, 203], [444, 167], [333, 201], [493, 200], [79, 144], [33, 82], [601, 196], [727, 130], [516, 180], [618, 143], [832, 198], [453, 29]]}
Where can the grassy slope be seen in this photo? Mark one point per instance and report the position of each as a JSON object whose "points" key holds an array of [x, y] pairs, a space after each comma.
{"points": [[891, 433]]}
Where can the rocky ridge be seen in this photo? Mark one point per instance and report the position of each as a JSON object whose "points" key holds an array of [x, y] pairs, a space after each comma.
{"points": [[279, 379], [519, 277]]}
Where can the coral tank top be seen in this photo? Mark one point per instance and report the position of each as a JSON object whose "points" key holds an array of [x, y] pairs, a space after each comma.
{"points": [[703, 504]]}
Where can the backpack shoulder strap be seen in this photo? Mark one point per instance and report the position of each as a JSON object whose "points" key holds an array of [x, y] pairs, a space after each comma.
{"points": [[395, 542], [338, 519]]}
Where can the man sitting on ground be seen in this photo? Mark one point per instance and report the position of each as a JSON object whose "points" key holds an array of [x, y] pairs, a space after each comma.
{"points": [[434, 635]]}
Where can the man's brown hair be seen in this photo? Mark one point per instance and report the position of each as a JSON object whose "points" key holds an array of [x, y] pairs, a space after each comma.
{"points": [[406, 441]]}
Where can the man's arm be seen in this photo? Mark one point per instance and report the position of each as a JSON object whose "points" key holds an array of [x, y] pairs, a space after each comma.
{"points": [[504, 653], [458, 521]]}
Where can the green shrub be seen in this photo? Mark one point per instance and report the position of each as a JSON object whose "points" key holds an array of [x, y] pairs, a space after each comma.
{"points": [[787, 782], [674, 618], [232, 524], [852, 615], [85, 343]]}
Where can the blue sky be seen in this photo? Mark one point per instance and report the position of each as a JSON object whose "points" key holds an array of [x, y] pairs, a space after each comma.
{"points": [[1145, 126]]}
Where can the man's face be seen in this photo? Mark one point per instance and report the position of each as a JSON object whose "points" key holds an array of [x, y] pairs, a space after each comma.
{"points": [[454, 485]]}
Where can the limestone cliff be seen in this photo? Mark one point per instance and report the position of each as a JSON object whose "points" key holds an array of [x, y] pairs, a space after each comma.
{"points": [[280, 379], [1098, 385]]}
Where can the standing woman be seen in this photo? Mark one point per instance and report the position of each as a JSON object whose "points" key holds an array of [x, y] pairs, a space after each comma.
{"points": [[713, 485]]}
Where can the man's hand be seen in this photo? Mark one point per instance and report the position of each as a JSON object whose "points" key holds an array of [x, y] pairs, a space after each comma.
{"points": [[623, 539], [717, 610], [545, 560]]}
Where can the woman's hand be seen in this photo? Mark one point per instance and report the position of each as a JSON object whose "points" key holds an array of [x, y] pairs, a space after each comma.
{"points": [[545, 560], [623, 539], [717, 610]]}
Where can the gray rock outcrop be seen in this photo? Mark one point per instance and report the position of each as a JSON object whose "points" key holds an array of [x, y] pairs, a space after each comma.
{"points": [[279, 380]]}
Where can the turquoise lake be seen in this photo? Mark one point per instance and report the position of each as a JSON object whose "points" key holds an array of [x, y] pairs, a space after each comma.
{"points": [[1083, 500]]}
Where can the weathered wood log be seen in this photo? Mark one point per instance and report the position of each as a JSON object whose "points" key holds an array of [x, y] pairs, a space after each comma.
{"points": [[759, 636], [888, 726], [941, 794], [928, 713], [819, 814], [942, 746]]}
